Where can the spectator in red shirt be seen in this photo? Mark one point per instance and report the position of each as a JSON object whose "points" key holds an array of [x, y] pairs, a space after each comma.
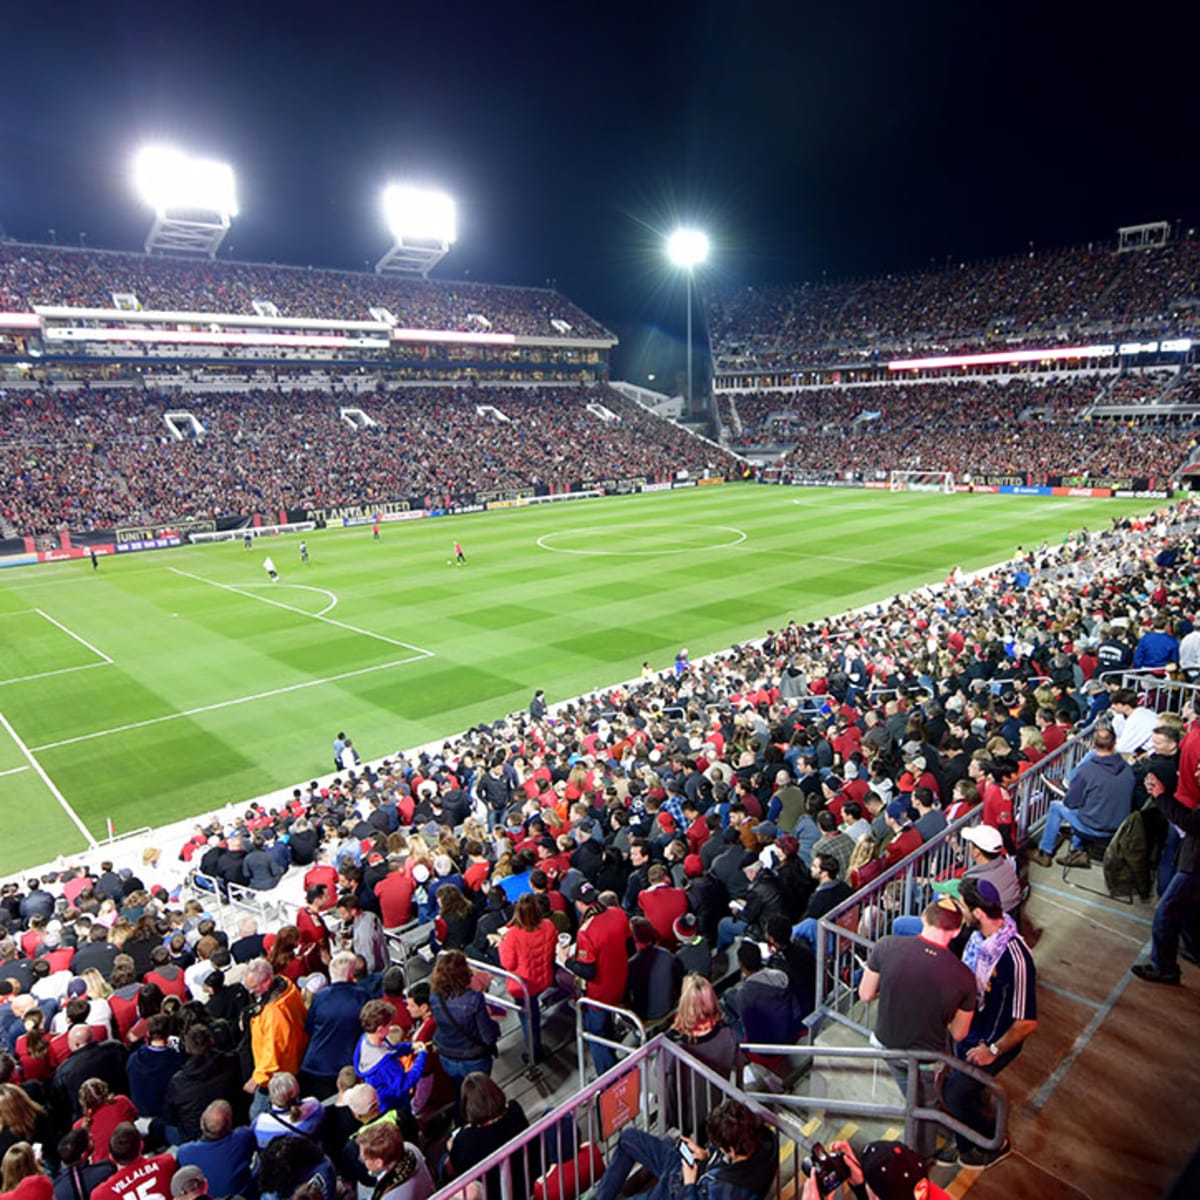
{"points": [[136, 1175], [601, 959], [662, 905], [394, 893], [905, 838]]}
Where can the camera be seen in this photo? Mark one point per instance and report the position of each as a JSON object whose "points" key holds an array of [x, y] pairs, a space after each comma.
{"points": [[830, 1170]]}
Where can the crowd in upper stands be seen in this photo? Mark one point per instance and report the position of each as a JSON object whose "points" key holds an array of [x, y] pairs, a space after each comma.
{"points": [[101, 457], [620, 846], [50, 275], [963, 306], [968, 427]]}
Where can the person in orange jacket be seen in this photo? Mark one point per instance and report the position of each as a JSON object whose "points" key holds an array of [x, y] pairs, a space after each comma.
{"points": [[277, 1038]]}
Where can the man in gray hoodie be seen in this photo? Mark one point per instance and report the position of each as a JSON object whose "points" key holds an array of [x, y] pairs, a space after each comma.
{"points": [[1099, 798]]}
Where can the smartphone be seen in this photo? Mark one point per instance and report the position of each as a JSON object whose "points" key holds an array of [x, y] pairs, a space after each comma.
{"points": [[687, 1153]]}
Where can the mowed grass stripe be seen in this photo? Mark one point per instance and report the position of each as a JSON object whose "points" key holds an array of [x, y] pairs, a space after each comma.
{"points": [[516, 618]]}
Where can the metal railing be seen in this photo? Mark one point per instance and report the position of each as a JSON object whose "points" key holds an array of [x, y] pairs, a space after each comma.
{"points": [[584, 1037], [502, 999], [910, 1111], [559, 1135], [846, 933]]}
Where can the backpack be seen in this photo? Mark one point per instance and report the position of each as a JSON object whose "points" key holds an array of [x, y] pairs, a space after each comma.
{"points": [[1127, 859]]}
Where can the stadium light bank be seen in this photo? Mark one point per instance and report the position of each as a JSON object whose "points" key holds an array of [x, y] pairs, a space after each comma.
{"points": [[193, 199], [423, 226]]}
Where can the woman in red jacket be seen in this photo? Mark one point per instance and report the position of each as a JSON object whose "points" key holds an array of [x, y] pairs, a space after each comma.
{"points": [[21, 1176], [527, 950]]}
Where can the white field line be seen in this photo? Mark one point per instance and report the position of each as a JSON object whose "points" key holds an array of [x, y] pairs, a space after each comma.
{"points": [[13, 771], [302, 587], [60, 671], [37, 766], [18, 612], [206, 708], [72, 633], [229, 587]]}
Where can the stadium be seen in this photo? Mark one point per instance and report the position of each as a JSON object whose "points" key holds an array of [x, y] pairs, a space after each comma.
{"points": [[364, 642]]}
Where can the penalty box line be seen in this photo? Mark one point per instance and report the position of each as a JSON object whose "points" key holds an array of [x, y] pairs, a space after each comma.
{"points": [[381, 637], [207, 708], [50, 784], [105, 661]]}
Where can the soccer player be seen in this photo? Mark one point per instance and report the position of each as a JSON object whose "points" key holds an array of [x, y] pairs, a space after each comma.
{"points": [[460, 559], [247, 540], [269, 567], [304, 552], [95, 564], [375, 530]]}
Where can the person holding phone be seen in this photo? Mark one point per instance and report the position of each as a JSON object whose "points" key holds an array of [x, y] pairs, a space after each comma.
{"points": [[739, 1162]]}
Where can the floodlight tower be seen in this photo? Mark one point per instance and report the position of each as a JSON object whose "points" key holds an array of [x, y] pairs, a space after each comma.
{"points": [[193, 199], [422, 225], [687, 249]]}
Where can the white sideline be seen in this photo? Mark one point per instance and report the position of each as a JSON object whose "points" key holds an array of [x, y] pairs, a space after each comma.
{"points": [[229, 587], [13, 771], [37, 766], [73, 634], [205, 708]]}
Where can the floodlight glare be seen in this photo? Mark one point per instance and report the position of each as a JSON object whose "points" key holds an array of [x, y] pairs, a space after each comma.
{"points": [[171, 181], [193, 199], [417, 214], [687, 248]]}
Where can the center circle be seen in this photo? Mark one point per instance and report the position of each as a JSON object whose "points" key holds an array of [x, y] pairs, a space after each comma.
{"points": [[642, 539]]}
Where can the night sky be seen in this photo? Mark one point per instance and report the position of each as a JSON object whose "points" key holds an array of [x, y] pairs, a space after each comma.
{"points": [[806, 138]]}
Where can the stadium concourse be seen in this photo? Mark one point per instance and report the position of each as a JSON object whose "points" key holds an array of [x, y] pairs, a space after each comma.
{"points": [[682, 820]]}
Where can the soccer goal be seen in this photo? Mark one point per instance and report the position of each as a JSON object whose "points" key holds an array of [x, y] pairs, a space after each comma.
{"points": [[237, 535], [921, 481]]}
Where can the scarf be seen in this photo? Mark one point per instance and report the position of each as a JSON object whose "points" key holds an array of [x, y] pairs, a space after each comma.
{"points": [[403, 1171], [982, 954]]}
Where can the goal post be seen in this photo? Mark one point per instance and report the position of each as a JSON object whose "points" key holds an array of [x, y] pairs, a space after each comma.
{"points": [[921, 481], [257, 531]]}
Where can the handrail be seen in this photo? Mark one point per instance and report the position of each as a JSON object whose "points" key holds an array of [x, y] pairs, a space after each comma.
{"points": [[899, 891], [910, 1110], [581, 1117], [903, 889], [504, 1000], [583, 1036]]}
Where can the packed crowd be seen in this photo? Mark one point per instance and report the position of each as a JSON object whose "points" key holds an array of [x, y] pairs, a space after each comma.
{"points": [[96, 458], [1054, 294], [79, 278], [631, 846], [969, 428]]}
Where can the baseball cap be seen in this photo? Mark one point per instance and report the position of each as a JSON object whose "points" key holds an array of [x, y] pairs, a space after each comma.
{"points": [[587, 893], [766, 829], [898, 810], [693, 866], [892, 1170], [986, 837], [989, 893], [187, 1180], [77, 987]]}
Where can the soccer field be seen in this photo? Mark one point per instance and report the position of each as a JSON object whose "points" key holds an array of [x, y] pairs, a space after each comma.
{"points": [[167, 684]]}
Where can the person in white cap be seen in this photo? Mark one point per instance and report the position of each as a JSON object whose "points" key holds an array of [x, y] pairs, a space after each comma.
{"points": [[985, 845]]}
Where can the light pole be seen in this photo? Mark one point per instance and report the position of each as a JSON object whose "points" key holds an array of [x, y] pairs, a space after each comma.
{"points": [[687, 249]]}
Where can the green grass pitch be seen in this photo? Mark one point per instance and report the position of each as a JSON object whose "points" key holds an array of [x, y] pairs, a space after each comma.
{"points": [[167, 684]]}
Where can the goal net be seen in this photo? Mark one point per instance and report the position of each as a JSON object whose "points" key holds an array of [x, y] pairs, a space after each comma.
{"points": [[257, 531], [921, 481]]}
